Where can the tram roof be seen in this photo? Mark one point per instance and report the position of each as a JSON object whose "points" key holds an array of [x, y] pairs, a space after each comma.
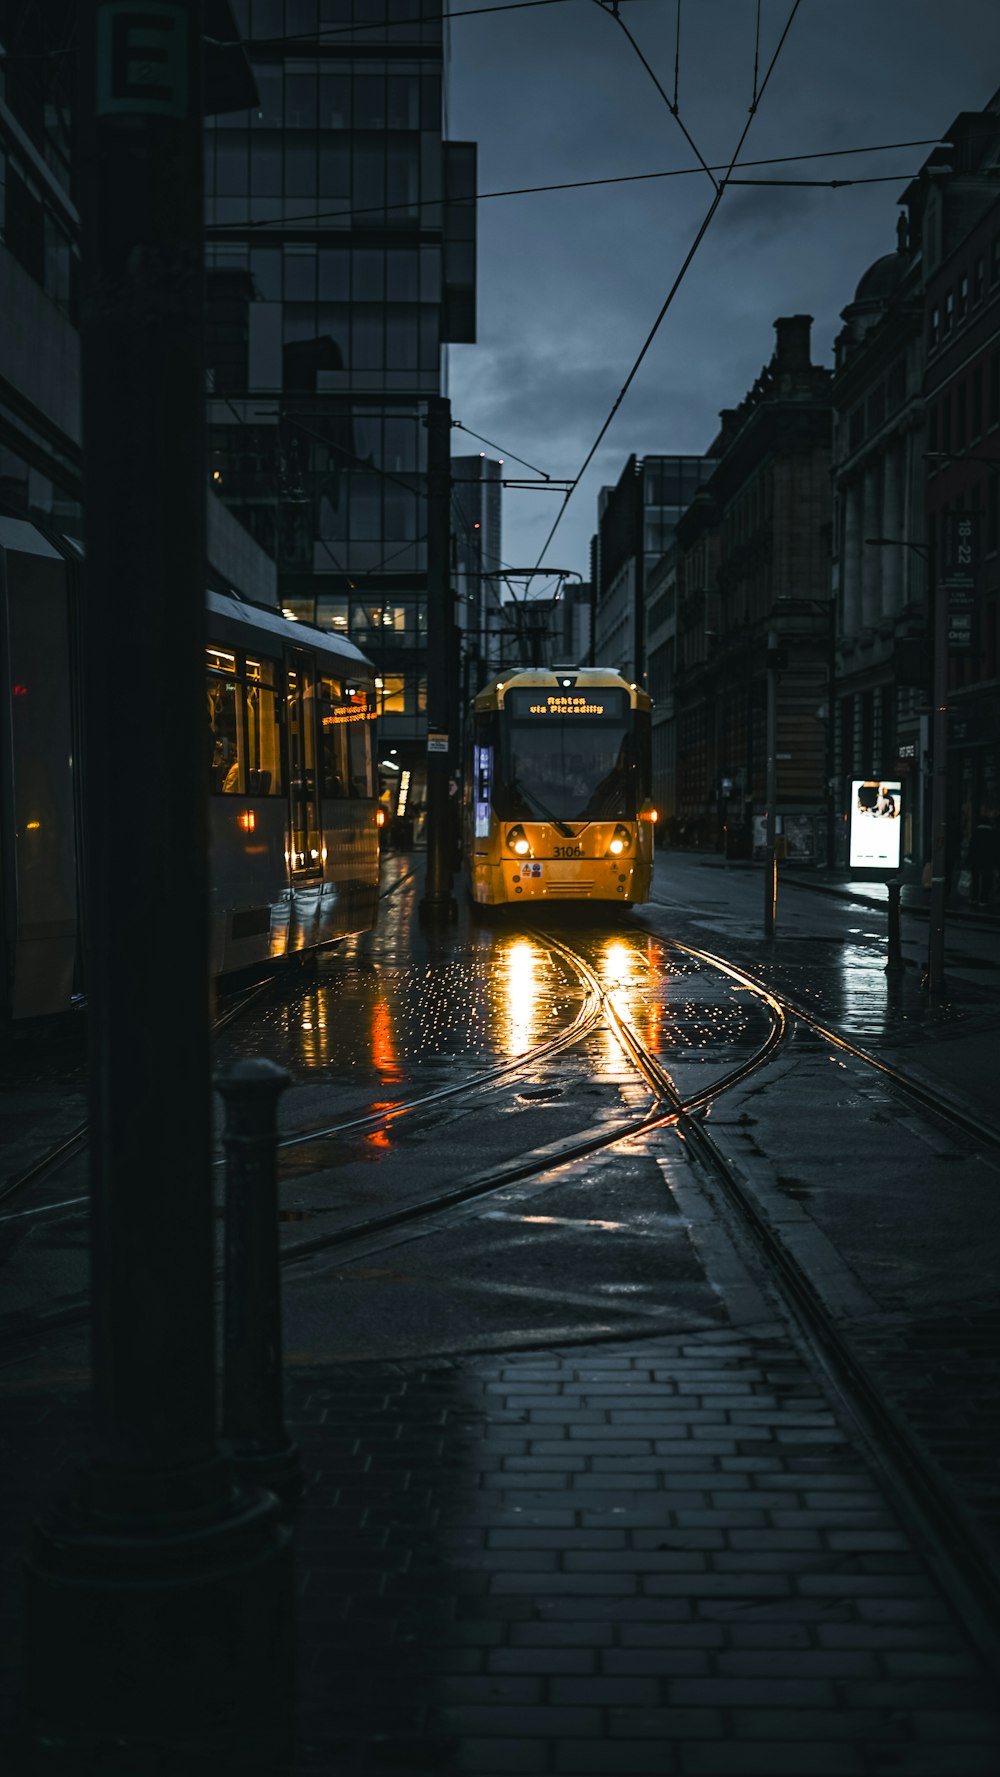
{"points": [[296, 634], [567, 676]]}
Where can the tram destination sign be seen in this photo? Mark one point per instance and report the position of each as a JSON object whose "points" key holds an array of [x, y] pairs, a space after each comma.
{"points": [[540, 703]]}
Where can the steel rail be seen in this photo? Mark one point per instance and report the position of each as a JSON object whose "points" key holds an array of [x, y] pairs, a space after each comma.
{"points": [[67, 1149], [935, 1514], [923, 1095], [542, 1160]]}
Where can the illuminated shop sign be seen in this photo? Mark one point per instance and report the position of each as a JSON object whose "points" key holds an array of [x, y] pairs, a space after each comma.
{"points": [[349, 713], [567, 705], [876, 824]]}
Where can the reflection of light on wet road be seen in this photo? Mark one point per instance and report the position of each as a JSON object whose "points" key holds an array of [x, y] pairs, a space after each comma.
{"points": [[627, 975], [314, 1036], [385, 1057], [522, 994]]}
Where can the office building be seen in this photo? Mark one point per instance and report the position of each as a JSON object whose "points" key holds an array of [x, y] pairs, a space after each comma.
{"points": [[340, 259]]}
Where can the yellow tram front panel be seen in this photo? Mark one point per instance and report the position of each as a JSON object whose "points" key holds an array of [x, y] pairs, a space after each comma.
{"points": [[557, 868], [558, 789]]}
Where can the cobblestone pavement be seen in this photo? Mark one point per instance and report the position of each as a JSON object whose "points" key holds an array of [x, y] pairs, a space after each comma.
{"points": [[665, 1557]]}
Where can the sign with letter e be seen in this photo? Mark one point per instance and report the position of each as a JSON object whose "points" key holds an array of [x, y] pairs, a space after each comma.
{"points": [[142, 59]]}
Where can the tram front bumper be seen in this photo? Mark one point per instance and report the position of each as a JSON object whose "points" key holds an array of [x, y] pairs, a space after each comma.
{"points": [[589, 879]]}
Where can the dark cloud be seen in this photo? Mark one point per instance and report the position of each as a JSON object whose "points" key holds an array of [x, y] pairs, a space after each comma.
{"points": [[570, 282]]}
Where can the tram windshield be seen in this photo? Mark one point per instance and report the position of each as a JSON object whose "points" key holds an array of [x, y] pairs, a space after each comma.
{"points": [[570, 760]]}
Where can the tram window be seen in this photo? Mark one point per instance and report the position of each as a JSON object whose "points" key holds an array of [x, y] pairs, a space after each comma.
{"points": [[333, 740], [359, 745], [263, 735], [574, 768], [226, 765]]}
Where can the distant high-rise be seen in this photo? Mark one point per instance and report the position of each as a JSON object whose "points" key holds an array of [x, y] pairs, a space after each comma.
{"points": [[476, 522], [341, 257]]}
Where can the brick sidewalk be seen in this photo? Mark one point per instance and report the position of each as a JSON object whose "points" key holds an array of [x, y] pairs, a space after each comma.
{"points": [[662, 1557]]}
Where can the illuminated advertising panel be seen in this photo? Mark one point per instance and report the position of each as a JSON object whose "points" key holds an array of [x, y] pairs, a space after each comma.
{"points": [[541, 703], [876, 824]]}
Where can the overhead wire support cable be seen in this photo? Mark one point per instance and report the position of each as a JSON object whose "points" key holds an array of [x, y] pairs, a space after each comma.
{"points": [[675, 286], [672, 108], [756, 57], [677, 59], [507, 453]]}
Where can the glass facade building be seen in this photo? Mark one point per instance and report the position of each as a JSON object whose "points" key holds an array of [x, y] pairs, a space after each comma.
{"points": [[340, 234]]}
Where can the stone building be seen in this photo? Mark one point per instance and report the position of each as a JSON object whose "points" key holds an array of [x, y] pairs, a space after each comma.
{"points": [[880, 564], [753, 579], [960, 239]]}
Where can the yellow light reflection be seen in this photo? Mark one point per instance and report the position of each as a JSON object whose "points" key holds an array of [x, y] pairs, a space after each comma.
{"points": [[313, 1032], [522, 992], [626, 976]]}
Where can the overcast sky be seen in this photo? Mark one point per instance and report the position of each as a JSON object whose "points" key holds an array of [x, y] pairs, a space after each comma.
{"points": [[570, 282]]}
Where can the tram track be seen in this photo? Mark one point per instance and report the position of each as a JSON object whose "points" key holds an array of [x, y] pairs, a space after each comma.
{"points": [[239, 1002], [921, 1494]]}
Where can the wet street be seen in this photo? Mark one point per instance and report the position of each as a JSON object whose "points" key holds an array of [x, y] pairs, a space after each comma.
{"points": [[619, 1259], [408, 1026]]}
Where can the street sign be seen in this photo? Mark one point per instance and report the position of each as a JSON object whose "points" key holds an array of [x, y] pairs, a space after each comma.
{"points": [[437, 743], [959, 562], [876, 824]]}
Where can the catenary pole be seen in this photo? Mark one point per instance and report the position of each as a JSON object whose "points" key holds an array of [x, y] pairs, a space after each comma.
{"points": [[158, 1596]]}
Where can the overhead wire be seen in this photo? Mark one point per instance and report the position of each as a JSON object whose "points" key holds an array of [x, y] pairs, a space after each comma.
{"points": [[325, 33], [218, 229], [671, 107], [675, 286]]}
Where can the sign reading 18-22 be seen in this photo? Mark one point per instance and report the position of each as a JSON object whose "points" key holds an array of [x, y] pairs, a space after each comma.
{"points": [[876, 824]]}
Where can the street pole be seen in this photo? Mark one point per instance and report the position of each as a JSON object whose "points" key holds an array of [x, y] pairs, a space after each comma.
{"points": [[438, 901], [158, 1597], [939, 789], [771, 791]]}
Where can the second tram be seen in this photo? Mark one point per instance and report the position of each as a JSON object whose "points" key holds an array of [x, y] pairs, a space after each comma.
{"points": [[289, 739], [558, 804]]}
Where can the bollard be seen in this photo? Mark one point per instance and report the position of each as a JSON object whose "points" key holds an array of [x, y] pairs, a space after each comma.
{"points": [[894, 962], [252, 1409]]}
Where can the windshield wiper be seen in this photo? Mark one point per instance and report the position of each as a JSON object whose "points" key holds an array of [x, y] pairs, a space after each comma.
{"points": [[536, 802]]}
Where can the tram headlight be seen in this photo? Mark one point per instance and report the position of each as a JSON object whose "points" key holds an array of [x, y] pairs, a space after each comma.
{"points": [[517, 841], [621, 839]]}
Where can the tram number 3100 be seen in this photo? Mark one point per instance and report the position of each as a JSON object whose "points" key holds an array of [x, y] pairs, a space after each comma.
{"points": [[568, 851]]}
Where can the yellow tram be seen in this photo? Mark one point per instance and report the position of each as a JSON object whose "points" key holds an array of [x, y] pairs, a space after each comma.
{"points": [[558, 801]]}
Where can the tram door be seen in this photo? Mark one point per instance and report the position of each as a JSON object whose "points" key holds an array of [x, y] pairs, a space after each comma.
{"points": [[307, 838]]}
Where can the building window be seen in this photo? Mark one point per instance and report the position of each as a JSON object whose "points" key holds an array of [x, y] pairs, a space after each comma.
{"points": [[946, 422], [978, 280], [976, 429], [932, 428], [961, 425], [935, 327], [949, 312], [962, 307]]}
